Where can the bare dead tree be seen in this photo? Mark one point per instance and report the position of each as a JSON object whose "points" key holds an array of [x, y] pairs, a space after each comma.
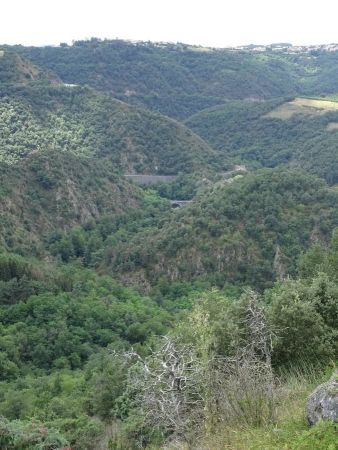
{"points": [[175, 389], [245, 383], [259, 341], [168, 386]]}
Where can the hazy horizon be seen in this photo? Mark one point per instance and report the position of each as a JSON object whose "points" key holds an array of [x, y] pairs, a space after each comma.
{"points": [[209, 24], [125, 39]]}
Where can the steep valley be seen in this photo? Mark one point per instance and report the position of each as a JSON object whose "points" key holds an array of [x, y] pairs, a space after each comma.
{"points": [[168, 245]]}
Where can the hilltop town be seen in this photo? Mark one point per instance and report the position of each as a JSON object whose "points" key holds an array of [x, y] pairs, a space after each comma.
{"points": [[288, 48]]}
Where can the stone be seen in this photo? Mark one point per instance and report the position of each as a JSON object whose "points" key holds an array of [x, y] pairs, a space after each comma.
{"points": [[323, 402]]}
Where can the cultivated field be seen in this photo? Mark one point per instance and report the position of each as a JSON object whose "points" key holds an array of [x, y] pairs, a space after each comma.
{"points": [[299, 105]]}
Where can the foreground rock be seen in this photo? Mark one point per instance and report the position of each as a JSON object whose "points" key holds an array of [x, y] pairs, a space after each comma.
{"points": [[323, 402]]}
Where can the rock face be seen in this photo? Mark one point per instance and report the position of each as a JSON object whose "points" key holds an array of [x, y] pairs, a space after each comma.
{"points": [[323, 402]]}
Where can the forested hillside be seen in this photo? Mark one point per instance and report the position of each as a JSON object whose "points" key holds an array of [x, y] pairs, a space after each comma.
{"points": [[180, 80], [299, 132], [59, 327], [177, 80], [249, 231], [196, 313], [51, 191], [41, 117], [20, 71]]}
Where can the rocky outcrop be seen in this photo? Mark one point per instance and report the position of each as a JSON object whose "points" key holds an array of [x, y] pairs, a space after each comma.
{"points": [[323, 402]]}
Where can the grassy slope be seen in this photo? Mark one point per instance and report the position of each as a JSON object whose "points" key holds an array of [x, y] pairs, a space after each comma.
{"points": [[304, 106], [290, 432]]}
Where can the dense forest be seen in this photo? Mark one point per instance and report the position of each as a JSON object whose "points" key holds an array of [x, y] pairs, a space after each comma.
{"points": [[198, 312], [180, 80], [247, 231], [40, 115], [300, 132], [176, 80]]}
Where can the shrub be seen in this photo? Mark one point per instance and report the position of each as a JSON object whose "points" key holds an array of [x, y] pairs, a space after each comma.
{"points": [[29, 435]]}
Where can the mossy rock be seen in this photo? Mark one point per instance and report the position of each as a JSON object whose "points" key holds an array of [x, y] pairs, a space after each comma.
{"points": [[323, 402]]}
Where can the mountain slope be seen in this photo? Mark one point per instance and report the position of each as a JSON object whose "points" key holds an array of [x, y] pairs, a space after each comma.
{"points": [[18, 70], [174, 79], [301, 132], [248, 231], [180, 80], [51, 191], [39, 117]]}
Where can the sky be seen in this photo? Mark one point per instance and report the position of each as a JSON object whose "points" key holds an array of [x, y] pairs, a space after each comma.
{"points": [[213, 23]]}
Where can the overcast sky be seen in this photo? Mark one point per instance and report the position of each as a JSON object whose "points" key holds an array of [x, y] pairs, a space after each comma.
{"points": [[217, 23]]}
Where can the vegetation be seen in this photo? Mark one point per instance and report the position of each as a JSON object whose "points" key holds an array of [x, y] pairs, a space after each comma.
{"points": [[27, 435], [20, 71], [273, 133], [249, 231], [185, 83], [83, 379], [51, 191], [231, 315], [176, 80], [56, 340], [179, 80], [37, 118]]}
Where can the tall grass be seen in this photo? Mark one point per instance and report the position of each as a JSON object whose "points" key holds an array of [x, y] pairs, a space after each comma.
{"points": [[288, 429]]}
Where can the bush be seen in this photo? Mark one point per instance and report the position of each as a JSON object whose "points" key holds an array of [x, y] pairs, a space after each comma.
{"points": [[302, 316], [29, 435]]}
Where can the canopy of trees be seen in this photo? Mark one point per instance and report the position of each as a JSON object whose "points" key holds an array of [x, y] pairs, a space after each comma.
{"points": [[126, 323]]}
